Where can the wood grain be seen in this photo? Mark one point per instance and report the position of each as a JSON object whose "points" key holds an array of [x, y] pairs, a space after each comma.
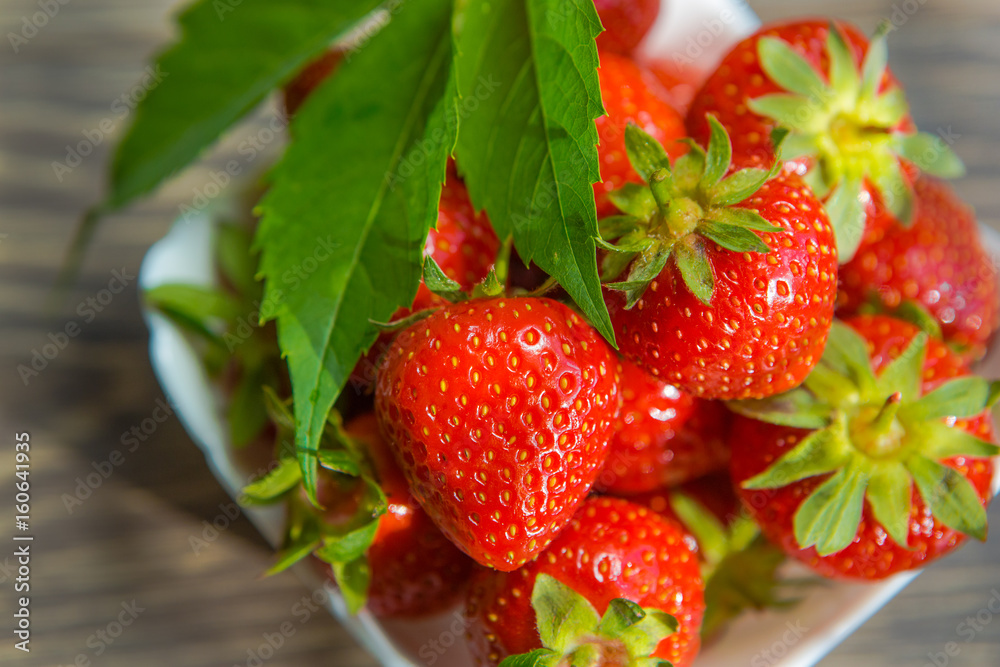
{"points": [[130, 539]]}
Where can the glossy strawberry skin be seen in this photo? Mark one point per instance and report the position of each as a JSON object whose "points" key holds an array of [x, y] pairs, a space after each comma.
{"points": [[938, 262], [625, 23], [462, 243], [500, 412], [740, 78], [630, 94], [415, 570], [663, 436], [872, 555], [770, 315], [299, 88], [611, 549]]}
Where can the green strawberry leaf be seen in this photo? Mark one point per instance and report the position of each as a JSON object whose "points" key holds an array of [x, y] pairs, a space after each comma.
{"points": [[521, 63], [708, 531], [246, 413], [742, 217], [904, 373], [644, 269], [732, 237], [695, 270], [194, 302], [846, 353], [719, 155], [797, 408], [828, 519], [951, 497], [818, 453], [930, 153], [349, 546], [941, 441], [844, 207], [633, 200], [890, 492], [540, 657], [353, 578], [381, 182], [843, 68], [740, 185], [234, 257], [787, 68], [439, 283], [961, 397], [282, 479], [562, 614], [620, 615], [645, 154], [339, 460], [297, 548], [221, 67]]}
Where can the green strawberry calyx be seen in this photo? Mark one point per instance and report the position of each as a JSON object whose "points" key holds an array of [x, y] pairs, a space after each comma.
{"points": [[875, 438], [738, 565], [679, 213], [854, 131], [574, 635], [343, 543]]}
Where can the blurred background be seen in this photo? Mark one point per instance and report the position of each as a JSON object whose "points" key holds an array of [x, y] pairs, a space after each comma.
{"points": [[126, 547]]}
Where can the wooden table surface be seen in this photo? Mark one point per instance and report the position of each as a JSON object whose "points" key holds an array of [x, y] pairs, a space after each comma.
{"points": [[125, 550]]}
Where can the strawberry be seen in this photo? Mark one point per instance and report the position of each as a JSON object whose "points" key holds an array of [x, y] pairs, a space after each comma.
{"points": [[880, 463], [625, 23], [464, 246], [662, 436], [740, 266], [415, 570], [612, 549], [630, 95], [298, 89], [851, 135], [680, 82], [500, 412], [938, 264]]}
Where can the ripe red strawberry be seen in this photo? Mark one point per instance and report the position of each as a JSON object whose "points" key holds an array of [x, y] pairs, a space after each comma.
{"points": [[851, 134], [499, 412], [662, 436], [631, 94], [625, 23], [680, 82], [464, 246], [879, 463], [299, 88], [611, 549], [733, 274], [938, 263]]}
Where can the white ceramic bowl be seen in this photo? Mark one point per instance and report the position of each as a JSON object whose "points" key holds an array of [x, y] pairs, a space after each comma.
{"points": [[797, 637]]}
